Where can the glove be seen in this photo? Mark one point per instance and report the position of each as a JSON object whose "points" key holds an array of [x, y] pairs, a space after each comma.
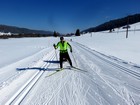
{"points": [[71, 50]]}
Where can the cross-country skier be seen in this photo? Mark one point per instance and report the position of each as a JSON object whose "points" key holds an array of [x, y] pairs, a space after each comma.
{"points": [[63, 45]]}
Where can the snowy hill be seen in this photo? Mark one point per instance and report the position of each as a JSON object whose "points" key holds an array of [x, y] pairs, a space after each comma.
{"points": [[108, 71], [115, 43]]}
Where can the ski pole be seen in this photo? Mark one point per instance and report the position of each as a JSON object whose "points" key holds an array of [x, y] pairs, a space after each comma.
{"points": [[55, 52], [56, 55], [74, 59]]}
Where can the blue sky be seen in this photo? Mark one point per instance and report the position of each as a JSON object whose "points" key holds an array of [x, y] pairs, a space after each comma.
{"points": [[64, 16]]}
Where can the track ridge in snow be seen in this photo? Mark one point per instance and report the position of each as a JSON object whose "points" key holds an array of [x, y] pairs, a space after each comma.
{"points": [[18, 97]]}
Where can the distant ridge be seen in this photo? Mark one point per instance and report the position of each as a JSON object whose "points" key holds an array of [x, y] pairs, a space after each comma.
{"points": [[116, 23], [14, 29]]}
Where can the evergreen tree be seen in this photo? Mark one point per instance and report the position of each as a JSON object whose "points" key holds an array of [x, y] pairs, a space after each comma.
{"points": [[55, 34], [77, 32]]}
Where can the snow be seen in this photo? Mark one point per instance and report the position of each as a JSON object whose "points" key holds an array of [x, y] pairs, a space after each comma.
{"points": [[109, 71], [2, 33], [116, 43]]}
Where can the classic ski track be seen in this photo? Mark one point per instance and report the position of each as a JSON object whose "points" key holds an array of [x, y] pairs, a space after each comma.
{"points": [[19, 96], [122, 68], [107, 82], [16, 74]]}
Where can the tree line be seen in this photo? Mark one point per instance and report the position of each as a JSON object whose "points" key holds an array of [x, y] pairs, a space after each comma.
{"points": [[24, 35]]}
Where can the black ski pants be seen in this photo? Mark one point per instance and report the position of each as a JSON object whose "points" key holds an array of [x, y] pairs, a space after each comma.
{"points": [[66, 56]]}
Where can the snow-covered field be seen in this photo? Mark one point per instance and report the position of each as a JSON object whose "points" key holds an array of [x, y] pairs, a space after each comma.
{"points": [[115, 43], [109, 71]]}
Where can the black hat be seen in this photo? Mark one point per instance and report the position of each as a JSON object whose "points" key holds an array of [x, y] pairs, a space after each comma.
{"points": [[61, 38]]}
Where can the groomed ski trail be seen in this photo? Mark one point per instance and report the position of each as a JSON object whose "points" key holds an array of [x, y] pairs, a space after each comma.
{"points": [[105, 82], [102, 84]]}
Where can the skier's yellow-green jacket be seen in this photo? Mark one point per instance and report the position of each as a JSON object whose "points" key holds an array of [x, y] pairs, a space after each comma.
{"points": [[63, 45]]}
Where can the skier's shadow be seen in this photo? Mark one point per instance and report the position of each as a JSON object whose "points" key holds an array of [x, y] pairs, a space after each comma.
{"points": [[39, 68], [36, 68], [52, 61]]}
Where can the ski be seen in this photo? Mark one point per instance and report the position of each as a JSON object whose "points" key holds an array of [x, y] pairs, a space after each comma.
{"points": [[78, 69], [58, 70]]}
